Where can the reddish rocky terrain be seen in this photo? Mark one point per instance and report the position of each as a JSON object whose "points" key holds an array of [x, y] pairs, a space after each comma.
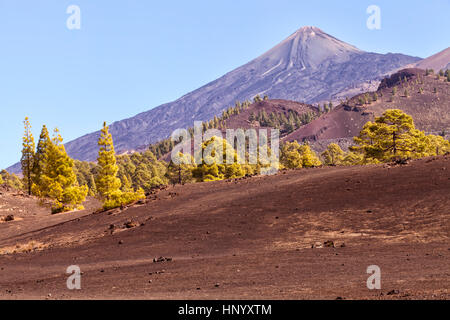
{"points": [[430, 109], [304, 234], [277, 106]]}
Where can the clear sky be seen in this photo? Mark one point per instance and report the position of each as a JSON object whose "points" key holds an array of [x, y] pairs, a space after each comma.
{"points": [[130, 56]]}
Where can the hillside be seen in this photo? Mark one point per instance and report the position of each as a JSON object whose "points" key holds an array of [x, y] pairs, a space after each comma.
{"points": [[430, 110], [438, 61], [249, 239], [275, 106], [284, 112], [308, 66]]}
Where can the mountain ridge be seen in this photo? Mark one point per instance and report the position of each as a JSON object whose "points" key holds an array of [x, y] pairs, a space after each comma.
{"points": [[425, 98], [309, 66]]}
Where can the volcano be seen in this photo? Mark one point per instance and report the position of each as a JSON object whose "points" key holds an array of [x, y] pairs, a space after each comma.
{"points": [[309, 66]]}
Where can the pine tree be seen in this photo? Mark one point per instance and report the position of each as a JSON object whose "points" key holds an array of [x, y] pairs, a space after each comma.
{"points": [[40, 160], [366, 99], [107, 182], [212, 168], [92, 186], [394, 91], [437, 145], [293, 156], [11, 180], [27, 156], [58, 179], [392, 135], [180, 173], [309, 157], [353, 159], [257, 98], [333, 155]]}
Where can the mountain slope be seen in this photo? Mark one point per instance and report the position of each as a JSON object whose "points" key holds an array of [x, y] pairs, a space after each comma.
{"points": [[309, 66], [438, 61], [429, 109]]}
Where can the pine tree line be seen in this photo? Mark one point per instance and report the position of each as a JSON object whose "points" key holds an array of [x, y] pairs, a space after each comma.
{"points": [[286, 124], [50, 173]]}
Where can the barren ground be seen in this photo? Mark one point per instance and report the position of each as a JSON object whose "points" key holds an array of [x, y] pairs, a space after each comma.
{"points": [[245, 239]]}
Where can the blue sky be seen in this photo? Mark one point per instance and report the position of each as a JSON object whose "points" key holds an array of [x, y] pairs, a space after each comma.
{"points": [[130, 56]]}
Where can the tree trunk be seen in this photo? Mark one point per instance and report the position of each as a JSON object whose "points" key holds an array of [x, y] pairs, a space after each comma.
{"points": [[394, 137]]}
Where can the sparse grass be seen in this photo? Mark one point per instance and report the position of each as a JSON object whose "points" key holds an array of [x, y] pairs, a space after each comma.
{"points": [[23, 248]]}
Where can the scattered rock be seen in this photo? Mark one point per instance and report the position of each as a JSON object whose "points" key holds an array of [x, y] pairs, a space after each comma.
{"points": [[392, 292], [317, 245], [9, 218], [329, 244], [217, 285], [130, 224], [161, 259], [343, 245], [121, 242], [156, 272]]}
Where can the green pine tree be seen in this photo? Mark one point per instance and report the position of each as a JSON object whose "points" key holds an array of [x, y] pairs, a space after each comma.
{"points": [[27, 156], [40, 160], [107, 182], [58, 179]]}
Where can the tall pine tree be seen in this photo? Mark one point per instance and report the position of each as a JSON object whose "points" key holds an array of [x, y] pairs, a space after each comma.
{"points": [[40, 160], [27, 156], [106, 181], [58, 180]]}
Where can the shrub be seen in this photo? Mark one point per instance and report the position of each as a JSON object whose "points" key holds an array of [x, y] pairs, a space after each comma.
{"points": [[119, 198]]}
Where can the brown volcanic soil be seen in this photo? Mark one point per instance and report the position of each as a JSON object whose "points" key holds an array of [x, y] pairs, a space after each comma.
{"points": [[430, 111], [251, 239]]}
